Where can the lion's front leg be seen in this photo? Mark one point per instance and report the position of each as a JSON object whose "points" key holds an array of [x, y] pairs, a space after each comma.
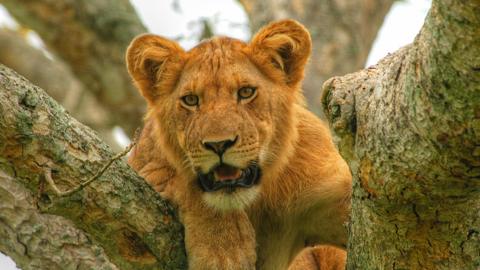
{"points": [[215, 240], [328, 217]]}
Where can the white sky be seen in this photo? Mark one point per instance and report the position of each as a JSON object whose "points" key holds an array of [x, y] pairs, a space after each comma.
{"points": [[400, 28]]}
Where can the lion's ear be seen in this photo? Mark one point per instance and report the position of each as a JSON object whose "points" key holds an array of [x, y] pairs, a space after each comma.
{"points": [[282, 46], [154, 64]]}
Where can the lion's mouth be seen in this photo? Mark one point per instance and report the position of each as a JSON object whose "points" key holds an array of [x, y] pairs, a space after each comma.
{"points": [[229, 178]]}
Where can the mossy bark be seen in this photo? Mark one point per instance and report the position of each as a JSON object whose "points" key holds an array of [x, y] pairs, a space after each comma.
{"points": [[56, 78], [92, 37], [38, 240], [410, 129], [118, 212]]}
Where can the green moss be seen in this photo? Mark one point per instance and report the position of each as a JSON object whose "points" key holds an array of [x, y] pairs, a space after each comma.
{"points": [[56, 150], [23, 126], [476, 127], [30, 99], [6, 167], [98, 226]]}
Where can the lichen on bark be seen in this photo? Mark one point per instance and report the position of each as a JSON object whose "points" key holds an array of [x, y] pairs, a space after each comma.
{"points": [[407, 127], [42, 241], [91, 36], [119, 212]]}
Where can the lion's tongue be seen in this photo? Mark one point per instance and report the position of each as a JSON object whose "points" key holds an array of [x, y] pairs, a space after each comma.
{"points": [[225, 172]]}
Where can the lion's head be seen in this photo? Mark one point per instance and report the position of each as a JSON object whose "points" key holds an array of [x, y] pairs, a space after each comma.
{"points": [[224, 110]]}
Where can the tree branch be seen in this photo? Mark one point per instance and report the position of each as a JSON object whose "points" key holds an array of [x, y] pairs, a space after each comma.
{"points": [[58, 81], [42, 241], [91, 36], [119, 211], [410, 129], [47, 172]]}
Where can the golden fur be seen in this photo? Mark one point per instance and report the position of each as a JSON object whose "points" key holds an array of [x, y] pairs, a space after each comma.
{"points": [[303, 195]]}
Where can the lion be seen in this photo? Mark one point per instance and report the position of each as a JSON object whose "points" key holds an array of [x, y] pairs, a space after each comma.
{"points": [[228, 139]]}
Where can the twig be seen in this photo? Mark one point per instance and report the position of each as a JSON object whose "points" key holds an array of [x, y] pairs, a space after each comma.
{"points": [[48, 171]]}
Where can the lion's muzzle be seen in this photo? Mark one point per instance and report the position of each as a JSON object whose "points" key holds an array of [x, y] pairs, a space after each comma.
{"points": [[229, 178]]}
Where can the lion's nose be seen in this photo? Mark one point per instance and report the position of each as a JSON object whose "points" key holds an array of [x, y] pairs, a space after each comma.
{"points": [[219, 147]]}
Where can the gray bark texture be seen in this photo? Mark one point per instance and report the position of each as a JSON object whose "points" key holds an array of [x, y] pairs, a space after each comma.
{"points": [[91, 36], [56, 78], [119, 215], [410, 129], [37, 240], [342, 34]]}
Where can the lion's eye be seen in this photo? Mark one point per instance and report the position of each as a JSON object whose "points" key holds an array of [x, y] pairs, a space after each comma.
{"points": [[246, 92], [190, 100]]}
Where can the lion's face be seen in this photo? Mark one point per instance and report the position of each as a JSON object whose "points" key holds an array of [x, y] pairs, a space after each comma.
{"points": [[221, 107], [224, 121]]}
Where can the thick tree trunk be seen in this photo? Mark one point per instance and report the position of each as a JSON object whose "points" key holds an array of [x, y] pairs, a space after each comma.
{"points": [[91, 36], [58, 81], [342, 34], [410, 129], [119, 211]]}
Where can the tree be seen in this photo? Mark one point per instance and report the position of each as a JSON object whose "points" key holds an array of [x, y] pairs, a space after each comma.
{"points": [[91, 36], [135, 228], [409, 128], [55, 77]]}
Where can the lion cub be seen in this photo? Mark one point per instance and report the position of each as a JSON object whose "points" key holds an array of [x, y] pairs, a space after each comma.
{"points": [[228, 139]]}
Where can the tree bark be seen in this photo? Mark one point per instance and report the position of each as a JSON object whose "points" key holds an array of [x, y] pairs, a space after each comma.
{"points": [[42, 241], [410, 129], [342, 34], [58, 81], [91, 36], [119, 211]]}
